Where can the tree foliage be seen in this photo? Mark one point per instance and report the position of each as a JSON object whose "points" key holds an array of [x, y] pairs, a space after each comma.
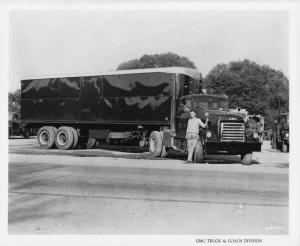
{"points": [[259, 89], [157, 60]]}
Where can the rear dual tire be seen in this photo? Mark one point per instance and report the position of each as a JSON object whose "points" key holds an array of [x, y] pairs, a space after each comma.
{"points": [[46, 137], [63, 138]]}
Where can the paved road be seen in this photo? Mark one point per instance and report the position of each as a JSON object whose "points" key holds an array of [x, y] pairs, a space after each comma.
{"points": [[110, 192]]}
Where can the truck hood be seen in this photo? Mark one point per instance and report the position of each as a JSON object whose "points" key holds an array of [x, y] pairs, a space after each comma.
{"points": [[215, 115]]}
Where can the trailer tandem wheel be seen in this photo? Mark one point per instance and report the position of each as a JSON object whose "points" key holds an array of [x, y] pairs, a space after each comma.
{"points": [[75, 136], [64, 138], [46, 137]]}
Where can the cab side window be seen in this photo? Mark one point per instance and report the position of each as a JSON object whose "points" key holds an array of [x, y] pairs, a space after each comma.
{"points": [[185, 106]]}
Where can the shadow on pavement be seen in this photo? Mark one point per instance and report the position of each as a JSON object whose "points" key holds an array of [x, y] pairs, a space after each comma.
{"points": [[123, 151]]}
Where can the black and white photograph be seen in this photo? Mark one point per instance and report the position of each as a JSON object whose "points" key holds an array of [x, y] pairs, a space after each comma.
{"points": [[143, 120]]}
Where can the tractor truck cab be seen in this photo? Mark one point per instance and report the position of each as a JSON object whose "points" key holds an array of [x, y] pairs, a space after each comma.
{"points": [[227, 132]]}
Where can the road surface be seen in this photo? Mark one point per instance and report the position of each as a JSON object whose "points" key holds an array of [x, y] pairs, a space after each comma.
{"points": [[105, 191]]}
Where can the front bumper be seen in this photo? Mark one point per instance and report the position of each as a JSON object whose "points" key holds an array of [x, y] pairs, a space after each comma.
{"points": [[232, 147]]}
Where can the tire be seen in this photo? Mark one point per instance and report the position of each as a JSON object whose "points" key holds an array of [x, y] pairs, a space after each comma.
{"points": [[246, 159], [284, 147], [155, 144], [198, 152], [75, 136], [91, 143], [46, 137], [64, 138]]}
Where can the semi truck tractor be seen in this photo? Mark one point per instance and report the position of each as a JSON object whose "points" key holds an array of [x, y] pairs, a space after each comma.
{"points": [[147, 106]]}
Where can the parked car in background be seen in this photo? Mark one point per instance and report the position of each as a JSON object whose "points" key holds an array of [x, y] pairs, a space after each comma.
{"points": [[15, 129], [13, 124], [280, 133]]}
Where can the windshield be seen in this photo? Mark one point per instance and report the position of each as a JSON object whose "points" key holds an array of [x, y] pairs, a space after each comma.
{"points": [[205, 103]]}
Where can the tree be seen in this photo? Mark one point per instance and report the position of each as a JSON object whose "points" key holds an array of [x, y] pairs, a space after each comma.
{"points": [[14, 101], [157, 60], [258, 89]]}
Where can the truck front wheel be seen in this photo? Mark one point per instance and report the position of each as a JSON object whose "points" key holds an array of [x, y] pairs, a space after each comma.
{"points": [[198, 153], [46, 137], [64, 138], [246, 158], [155, 144]]}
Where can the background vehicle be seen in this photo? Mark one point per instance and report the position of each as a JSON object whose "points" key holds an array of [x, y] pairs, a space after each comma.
{"points": [[141, 105], [280, 133], [14, 127], [13, 124]]}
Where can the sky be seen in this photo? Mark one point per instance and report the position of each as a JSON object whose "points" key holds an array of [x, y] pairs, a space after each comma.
{"points": [[53, 43]]}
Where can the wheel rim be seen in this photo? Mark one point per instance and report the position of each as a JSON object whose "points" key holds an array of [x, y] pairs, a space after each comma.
{"points": [[152, 144], [44, 137], [62, 138]]}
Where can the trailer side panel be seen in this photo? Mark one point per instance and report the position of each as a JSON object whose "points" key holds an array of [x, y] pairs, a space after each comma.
{"points": [[122, 98], [137, 97]]}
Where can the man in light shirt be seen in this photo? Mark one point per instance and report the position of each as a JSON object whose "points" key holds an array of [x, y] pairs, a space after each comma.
{"points": [[192, 133]]}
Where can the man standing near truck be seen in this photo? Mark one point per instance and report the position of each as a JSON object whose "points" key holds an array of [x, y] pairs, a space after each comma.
{"points": [[192, 133]]}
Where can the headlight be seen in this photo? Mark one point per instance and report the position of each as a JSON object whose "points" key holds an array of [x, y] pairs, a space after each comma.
{"points": [[255, 135], [208, 134], [287, 135]]}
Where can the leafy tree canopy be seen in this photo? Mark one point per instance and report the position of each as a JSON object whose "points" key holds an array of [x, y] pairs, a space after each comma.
{"points": [[157, 60], [258, 89]]}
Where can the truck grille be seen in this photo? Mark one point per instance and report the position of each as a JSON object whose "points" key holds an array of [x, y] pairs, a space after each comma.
{"points": [[232, 131]]}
